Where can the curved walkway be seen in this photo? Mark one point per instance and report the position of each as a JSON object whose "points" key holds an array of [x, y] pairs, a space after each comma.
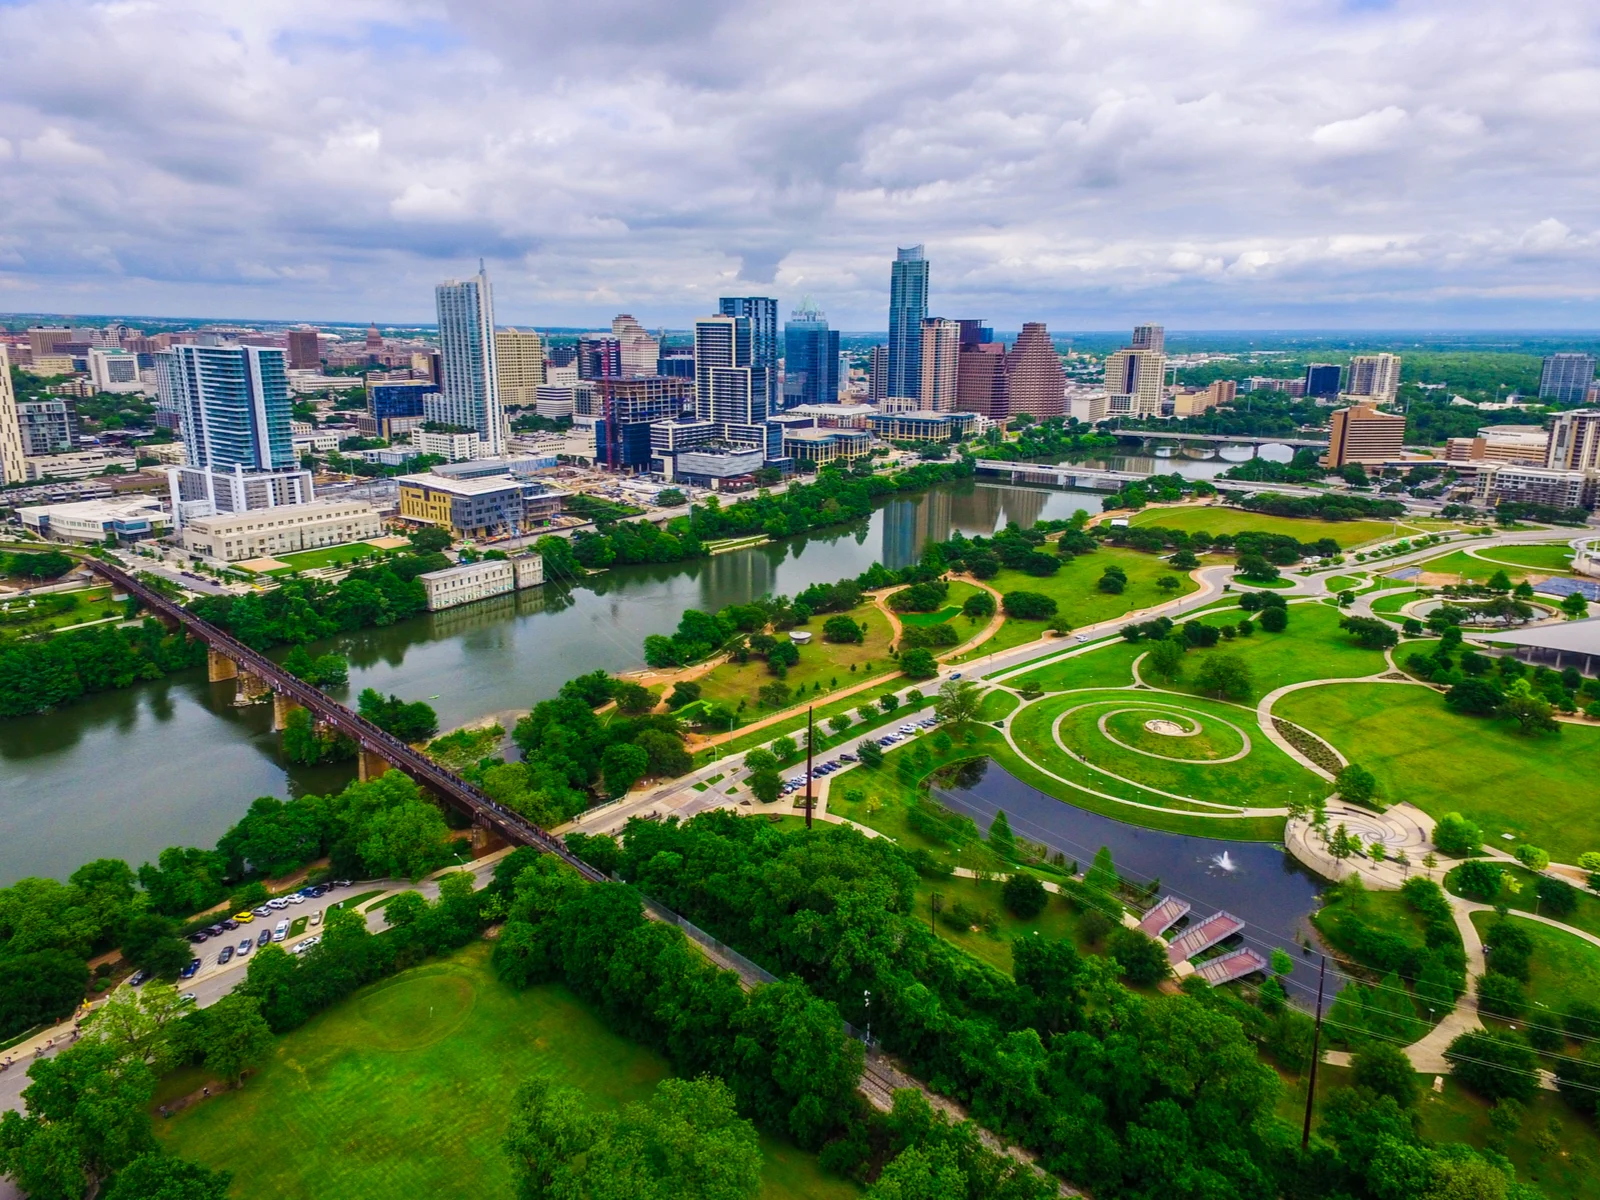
{"points": [[1264, 714]]}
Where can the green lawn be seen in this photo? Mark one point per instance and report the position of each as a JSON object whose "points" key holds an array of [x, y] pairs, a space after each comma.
{"points": [[1537, 789], [1545, 557], [1563, 969], [1312, 647], [795, 725], [1079, 599], [997, 705], [403, 1090], [959, 591], [1342, 583], [1055, 922], [1462, 566], [88, 604], [822, 662], [324, 556], [1391, 604], [1215, 518], [1108, 665], [1386, 912], [1586, 917]]}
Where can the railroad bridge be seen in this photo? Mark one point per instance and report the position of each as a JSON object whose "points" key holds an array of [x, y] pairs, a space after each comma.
{"points": [[257, 675]]}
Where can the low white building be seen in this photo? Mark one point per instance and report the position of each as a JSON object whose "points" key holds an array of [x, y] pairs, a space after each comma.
{"points": [[79, 464], [286, 529], [114, 371], [480, 580], [314, 443], [128, 519], [452, 447]]}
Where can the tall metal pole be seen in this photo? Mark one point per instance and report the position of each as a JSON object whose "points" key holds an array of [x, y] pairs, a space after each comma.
{"points": [[1316, 1051], [811, 739]]}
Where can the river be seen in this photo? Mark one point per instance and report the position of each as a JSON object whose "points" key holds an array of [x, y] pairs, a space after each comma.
{"points": [[124, 774]]}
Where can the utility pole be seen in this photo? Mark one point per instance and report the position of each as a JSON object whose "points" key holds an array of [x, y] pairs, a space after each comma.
{"points": [[1316, 1051], [811, 739]]}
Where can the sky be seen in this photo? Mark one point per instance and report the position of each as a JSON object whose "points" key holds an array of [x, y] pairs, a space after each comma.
{"points": [[1208, 164]]}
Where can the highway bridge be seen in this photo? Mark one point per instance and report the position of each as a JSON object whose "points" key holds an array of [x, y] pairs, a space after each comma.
{"points": [[228, 658], [1237, 439], [1066, 475]]}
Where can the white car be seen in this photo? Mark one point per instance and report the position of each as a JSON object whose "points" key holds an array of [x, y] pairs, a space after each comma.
{"points": [[297, 898], [277, 902]]}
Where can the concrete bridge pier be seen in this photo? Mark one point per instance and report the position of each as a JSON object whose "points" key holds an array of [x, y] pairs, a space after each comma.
{"points": [[219, 666], [485, 840], [251, 688], [370, 764], [282, 706]]}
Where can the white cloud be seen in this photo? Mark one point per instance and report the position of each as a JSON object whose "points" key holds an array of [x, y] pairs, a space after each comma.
{"points": [[1080, 161]]}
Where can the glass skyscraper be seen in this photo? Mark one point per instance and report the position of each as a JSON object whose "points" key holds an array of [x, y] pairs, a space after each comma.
{"points": [[810, 359], [762, 313], [470, 390], [908, 307], [233, 404]]}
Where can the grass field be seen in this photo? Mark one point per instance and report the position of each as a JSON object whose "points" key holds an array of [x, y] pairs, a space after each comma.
{"points": [[403, 1090], [1341, 583], [1077, 596], [1215, 518], [1392, 604], [1386, 912], [1055, 922], [92, 604], [1108, 665], [1312, 647], [1536, 789], [960, 589], [1550, 557], [997, 705], [1463, 567], [827, 663], [325, 556], [1586, 917], [1562, 970]]}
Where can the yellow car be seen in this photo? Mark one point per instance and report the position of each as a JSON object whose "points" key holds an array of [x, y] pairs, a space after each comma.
{"points": [[244, 918]]}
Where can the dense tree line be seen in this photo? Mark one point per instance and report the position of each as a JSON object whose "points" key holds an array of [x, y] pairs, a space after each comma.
{"points": [[40, 673], [1050, 438], [1335, 506], [35, 567], [1158, 489]]}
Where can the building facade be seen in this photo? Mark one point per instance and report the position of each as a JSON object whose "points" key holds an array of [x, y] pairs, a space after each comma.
{"points": [[1035, 382], [114, 371], [1567, 378], [729, 387], [627, 409], [91, 522], [48, 426], [922, 426], [1374, 375], [1322, 379], [819, 446], [267, 533], [941, 365], [1508, 483], [1575, 442], [762, 314], [493, 507], [233, 405], [304, 349], [1362, 434], [908, 308], [640, 354], [397, 400], [519, 360], [810, 359], [470, 391], [878, 374], [1135, 379], [480, 580]]}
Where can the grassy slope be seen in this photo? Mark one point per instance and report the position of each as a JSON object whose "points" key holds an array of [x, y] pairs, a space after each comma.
{"points": [[1563, 969], [1540, 557], [1312, 647], [1108, 665], [1585, 917], [1538, 789], [94, 604], [1217, 519], [1056, 921], [324, 556], [1472, 569], [402, 1091], [820, 661]]}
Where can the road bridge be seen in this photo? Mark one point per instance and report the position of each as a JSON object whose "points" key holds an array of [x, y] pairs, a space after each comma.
{"points": [[1236, 439], [257, 675], [1067, 475]]}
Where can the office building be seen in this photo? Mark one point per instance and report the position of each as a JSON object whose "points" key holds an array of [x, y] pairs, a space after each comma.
{"points": [[819, 446], [878, 374], [762, 313], [13, 453], [91, 522], [553, 401], [403, 401], [1362, 434], [48, 426], [480, 580], [267, 533], [729, 388], [1035, 382], [941, 365], [1529, 444], [1136, 375], [716, 466], [452, 445], [492, 507], [923, 426], [114, 371], [1322, 379], [305, 349], [43, 340], [677, 362], [519, 360], [1512, 483], [1223, 391], [599, 356], [78, 464], [834, 416], [1374, 375], [908, 308], [1575, 442], [981, 373], [640, 354], [810, 358], [627, 408], [206, 491], [470, 392], [233, 405], [1567, 378]]}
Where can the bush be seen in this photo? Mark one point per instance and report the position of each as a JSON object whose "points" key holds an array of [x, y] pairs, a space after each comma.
{"points": [[1478, 879], [1557, 897], [1456, 836], [1497, 1065], [1024, 895], [1028, 606], [683, 693], [1501, 996], [1274, 620], [1355, 783]]}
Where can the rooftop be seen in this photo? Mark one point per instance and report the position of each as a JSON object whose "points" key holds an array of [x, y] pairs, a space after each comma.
{"points": [[462, 487], [1576, 637]]}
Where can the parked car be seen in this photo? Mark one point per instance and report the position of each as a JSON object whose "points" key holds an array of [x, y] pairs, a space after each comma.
{"points": [[341, 883], [230, 924], [243, 918], [137, 978], [188, 998], [281, 932], [266, 936], [847, 758], [277, 902], [246, 946], [956, 675], [316, 917], [297, 898], [226, 956], [198, 936], [263, 911], [188, 972]]}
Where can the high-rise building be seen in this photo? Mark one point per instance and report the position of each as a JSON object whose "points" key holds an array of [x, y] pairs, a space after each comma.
{"points": [[114, 371], [43, 339], [627, 408], [1136, 375], [305, 349], [1362, 434], [878, 373], [981, 379], [233, 405], [13, 468], [640, 353], [48, 426], [908, 308], [677, 362], [519, 359], [1567, 378], [397, 399], [470, 390], [1322, 379], [762, 313], [1575, 442], [425, 365], [599, 356], [729, 389], [810, 358], [1374, 375], [1035, 382], [941, 365]]}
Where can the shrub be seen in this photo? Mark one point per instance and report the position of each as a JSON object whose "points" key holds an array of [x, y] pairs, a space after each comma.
{"points": [[1456, 836], [1274, 620], [1028, 606], [1355, 783], [1477, 879], [1024, 895], [1497, 1065], [1501, 996]]}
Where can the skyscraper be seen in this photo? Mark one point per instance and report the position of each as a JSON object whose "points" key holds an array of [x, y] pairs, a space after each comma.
{"points": [[941, 365], [810, 359], [762, 313], [1374, 375], [878, 374], [305, 349], [232, 403], [728, 389], [12, 468], [908, 308], [1574, 442], [470, 391], [639, 352], [1567, 378], [1035, 382], [1136, 375], [519, 359], [1150, 337], [1322, 379], [599, 356]]}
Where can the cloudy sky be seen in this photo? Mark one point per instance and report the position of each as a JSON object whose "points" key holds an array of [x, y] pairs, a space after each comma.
{"points": [[1208, 163]]}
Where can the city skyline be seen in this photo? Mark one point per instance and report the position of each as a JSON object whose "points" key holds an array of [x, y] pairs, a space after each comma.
{"points": [[1333, 165]]}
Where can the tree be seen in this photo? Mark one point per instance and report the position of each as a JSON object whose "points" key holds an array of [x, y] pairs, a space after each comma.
{"points": [[39, 988], [1575, 606], [774, 694], [1370, 632], [1028, 606], [979, 606], [622, 766], [784, 748], [1341, 845], [918, 664], [234, 1036], [958, 701], [888, 702], [140, 1023], [1274, 620], [1533, 857], [1226, 675], [1456, 836], [413, 722], [1474, 697], [839, 722], [1356, 784], [1001, 840], [1102, 873], [766, 786], [871, 754], [685, 692], [1531, 712], [633, 699], [1256, 569], [1143, 959], [1497, 1065], [1114, 581], [1169, 583], [842, 629], [1499, 582], [1024, 895], [1501, 996], [1166, 658], [1384, 1070], [157, 1176], [1478, 879], [152, 944]]}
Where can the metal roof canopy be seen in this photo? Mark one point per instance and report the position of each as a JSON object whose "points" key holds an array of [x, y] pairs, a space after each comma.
{"points": [[1572, 637]]}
